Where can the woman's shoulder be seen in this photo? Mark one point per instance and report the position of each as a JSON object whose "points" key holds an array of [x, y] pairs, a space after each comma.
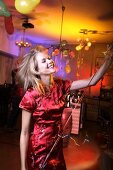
{"points": [[32, 92]]}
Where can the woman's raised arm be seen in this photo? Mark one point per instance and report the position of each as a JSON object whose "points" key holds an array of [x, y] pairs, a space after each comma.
{"points": [[98, 75]]}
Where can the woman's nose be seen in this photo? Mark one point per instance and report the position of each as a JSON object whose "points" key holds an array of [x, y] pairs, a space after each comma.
{"points": [[51, 62]]}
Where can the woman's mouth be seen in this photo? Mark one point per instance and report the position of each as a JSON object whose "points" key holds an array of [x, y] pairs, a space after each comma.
{"points": [[51, 65]]}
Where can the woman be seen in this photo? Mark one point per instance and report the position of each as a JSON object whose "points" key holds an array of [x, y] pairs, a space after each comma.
{"points": [[44, 102]]}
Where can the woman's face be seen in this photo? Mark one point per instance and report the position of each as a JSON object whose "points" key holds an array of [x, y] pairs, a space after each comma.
{"points": [[45, 63]]}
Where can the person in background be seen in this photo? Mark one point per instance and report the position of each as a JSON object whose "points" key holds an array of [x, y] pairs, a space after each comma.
{"points": [[16, 96], [42, 149]]}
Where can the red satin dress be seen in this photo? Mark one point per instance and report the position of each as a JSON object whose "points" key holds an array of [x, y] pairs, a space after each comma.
{"points": [[47, 112]]}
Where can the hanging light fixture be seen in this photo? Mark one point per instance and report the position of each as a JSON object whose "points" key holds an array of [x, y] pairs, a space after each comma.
{"points": [[62, 48], [84, 42], [62, 43], [23, 43]]}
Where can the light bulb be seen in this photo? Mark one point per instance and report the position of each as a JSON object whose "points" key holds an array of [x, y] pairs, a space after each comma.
{"points": [[86, 48], [89, 44]]}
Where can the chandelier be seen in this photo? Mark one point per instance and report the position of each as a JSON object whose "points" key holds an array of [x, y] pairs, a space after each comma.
{"points": [[83, 43], [23, 43], [62, 48]]}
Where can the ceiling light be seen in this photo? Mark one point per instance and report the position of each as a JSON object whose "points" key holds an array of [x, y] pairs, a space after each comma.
{"points": [[23, 43]]}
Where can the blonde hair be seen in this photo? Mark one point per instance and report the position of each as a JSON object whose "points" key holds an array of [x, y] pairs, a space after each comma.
{"points": [[28, 74]]}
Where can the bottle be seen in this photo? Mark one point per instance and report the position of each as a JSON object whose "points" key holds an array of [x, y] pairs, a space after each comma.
{"points": [[5, 84]]}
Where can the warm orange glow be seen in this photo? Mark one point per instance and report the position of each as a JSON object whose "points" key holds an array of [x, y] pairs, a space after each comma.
{"points": [[71, 25], [86, 48], [81, 157]]}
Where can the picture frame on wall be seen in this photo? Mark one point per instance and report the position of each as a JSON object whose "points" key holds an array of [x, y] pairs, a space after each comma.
{"points": [[99, 61]]}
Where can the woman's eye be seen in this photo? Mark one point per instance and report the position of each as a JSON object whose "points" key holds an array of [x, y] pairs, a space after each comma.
{"points": [[43, 60]]}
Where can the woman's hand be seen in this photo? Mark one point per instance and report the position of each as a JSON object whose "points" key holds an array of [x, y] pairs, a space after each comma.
{"points": [[109, 52]]}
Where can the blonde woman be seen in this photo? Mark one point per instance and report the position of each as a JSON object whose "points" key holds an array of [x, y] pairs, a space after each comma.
{"points": [[44, 102]]}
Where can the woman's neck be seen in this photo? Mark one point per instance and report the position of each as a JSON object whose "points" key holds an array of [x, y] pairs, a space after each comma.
{"points": [[47, 80]]}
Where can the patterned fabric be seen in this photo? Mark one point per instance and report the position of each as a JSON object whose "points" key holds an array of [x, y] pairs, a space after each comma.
{"points": [[46, 111]]}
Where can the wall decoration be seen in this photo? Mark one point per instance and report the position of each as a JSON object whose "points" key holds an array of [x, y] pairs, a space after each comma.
{"points": [[9, 25], [67, 69], [3, 10]]}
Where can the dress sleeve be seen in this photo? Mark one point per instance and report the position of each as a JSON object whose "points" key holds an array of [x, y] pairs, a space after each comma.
{"points": [[28, 102], [66, 85]]}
